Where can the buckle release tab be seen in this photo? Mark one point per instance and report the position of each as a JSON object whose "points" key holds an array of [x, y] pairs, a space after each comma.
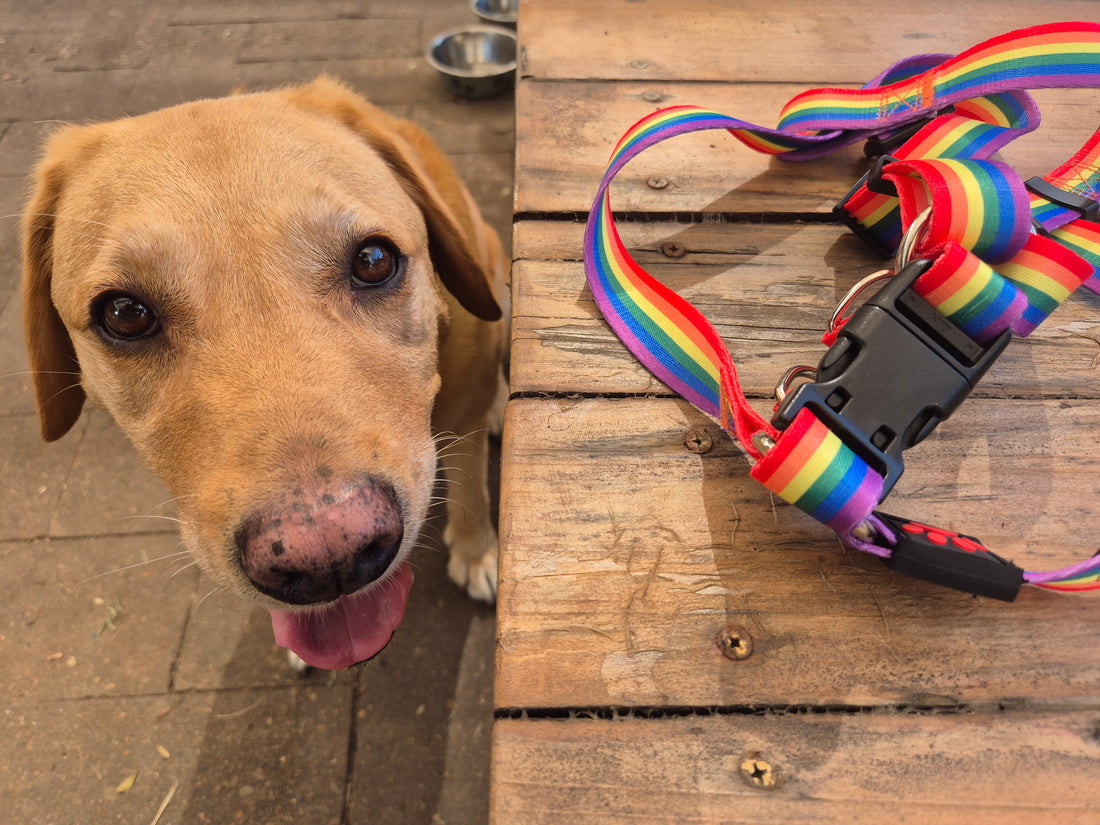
{"points": [[947, 558]]}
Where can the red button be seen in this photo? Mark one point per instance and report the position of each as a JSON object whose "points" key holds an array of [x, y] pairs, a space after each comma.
{"points": [[967, 545]]}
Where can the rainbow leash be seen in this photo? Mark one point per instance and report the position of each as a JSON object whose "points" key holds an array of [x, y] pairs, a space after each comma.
{"points": [[980, 256]]}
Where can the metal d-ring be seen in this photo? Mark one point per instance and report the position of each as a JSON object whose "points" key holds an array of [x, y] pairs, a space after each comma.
{"points": [[913, 236], [784, 385], [854, 293]]}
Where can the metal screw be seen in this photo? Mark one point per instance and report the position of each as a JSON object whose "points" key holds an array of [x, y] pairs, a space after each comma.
{"points": [[698, 441], [651, 97], [657, 183], [672, 249], [639, 64], [735, 643], [758, 772]]}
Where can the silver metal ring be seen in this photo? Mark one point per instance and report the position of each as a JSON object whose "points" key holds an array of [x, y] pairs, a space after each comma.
{"points": [[854, 293], [912, 238], [784, 385]]}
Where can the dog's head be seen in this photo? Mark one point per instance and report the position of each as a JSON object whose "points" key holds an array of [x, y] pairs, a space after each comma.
{"points": [[250, 287]]}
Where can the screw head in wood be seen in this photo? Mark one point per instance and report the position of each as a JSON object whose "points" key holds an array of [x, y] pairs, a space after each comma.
{"points": [[735, 643], [759, 772], [698, 441]]}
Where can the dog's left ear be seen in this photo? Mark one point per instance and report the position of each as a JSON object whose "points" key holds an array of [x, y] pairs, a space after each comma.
{"points": [[407, 151]]}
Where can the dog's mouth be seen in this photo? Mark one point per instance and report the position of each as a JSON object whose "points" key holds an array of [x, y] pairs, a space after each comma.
{"points": [[351, 629]]}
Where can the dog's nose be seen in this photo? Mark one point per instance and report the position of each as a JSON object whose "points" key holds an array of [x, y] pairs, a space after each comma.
{"points": [[316, 547]]}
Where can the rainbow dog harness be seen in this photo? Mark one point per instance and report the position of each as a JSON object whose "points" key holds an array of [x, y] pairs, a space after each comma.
{"points": [[980, 256]]}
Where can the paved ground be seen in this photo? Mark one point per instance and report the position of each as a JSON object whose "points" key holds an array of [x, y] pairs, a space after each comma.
{"points": [[116, 657]]}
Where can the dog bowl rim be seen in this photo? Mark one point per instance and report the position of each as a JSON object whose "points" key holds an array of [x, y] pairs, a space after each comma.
{"points": [[496, 17], [443, 68]]}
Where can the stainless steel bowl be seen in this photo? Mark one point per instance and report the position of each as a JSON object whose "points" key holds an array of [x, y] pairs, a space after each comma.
{"points": [[502, 12], [476, 61]]}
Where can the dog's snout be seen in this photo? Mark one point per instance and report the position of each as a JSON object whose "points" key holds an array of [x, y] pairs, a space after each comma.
{"points": [[315, 547]]}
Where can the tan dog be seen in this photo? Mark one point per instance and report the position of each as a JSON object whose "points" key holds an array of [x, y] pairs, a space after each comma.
{"points": [[251, 286]]}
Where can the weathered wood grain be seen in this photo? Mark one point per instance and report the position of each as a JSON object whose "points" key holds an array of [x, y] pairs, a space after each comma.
{"points": [[712, 171], [1015, 768], [769, 291], [784, 41], [639, 578], [625, 555]]}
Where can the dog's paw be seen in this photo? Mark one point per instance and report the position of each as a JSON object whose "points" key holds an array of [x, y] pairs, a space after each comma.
{"points": [[496, 412], [297, 664], [477, 576]]}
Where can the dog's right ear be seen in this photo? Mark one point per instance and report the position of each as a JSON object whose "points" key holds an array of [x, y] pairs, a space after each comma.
{"points": [[55, 370]]}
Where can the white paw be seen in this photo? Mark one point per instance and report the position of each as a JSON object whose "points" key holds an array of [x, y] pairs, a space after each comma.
{"points": [[496, 412], [297, 664], [477, 576]]}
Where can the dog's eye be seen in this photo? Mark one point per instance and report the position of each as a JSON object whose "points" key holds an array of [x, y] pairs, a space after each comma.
{"points": [[125, 317], [376, 262]]}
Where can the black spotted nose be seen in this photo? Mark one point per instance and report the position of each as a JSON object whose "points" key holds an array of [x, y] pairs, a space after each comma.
{"points": [[316, 546]]}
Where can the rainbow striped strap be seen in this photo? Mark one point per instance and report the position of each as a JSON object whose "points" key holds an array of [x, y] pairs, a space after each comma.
{"points": [[990, 273], [676, 343], [1079, 177], [978, 126], [666, 333], [811, 468], [973, 129], [818, 122], [1083, 239], [877, 218], [1078, 232], [1056, 55]]}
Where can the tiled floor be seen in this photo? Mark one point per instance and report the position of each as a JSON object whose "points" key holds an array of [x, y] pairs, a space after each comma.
{"points": [[116, 657]]}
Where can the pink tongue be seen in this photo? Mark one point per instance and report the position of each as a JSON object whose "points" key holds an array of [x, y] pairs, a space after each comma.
{"points": [[351, 630]]}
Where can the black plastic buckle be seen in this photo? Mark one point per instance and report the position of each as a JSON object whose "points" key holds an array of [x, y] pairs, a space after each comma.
{"points": [[874, 181], [1087, 208], [897, 369], [950, 559]]}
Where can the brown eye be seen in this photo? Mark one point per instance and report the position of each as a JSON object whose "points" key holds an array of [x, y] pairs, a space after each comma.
{"points": [[126, 318], [376, 262]]}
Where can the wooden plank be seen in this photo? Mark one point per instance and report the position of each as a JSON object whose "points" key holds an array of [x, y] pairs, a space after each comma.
{"points": [[769, 289], [625, 558], [862, 769], [712, 171], [782, 41]]}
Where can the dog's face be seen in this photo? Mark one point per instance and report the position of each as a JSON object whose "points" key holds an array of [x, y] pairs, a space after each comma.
{"points": [[249, 286]]}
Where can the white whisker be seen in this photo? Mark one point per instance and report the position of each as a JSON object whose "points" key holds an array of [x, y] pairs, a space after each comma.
{"points": [[62, 391], [187, 566], [202, 601], [20, 373], [172, 519], [69, 217], [165, 557]]}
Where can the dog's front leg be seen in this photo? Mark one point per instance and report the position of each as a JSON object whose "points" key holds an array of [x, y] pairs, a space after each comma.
{"points": [[470, 534]]}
